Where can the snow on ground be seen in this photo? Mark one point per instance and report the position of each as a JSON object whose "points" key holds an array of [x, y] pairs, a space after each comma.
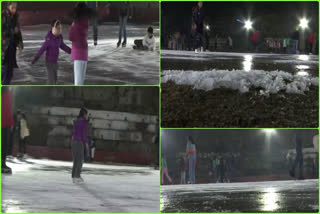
{"points": [[106, 65], [270, 82], [46, 186]]}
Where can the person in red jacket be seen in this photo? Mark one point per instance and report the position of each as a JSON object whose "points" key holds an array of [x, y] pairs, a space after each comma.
{"points": [[255, 40], [310, 41], [7, 124]]}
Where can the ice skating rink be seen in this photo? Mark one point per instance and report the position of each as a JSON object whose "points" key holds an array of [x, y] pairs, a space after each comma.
{"points": [[271, 196], [46, 186], [106, 65]]}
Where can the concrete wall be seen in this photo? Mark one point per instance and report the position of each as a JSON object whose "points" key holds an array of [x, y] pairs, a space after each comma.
{"points": [[33, 13], [123, 119]]}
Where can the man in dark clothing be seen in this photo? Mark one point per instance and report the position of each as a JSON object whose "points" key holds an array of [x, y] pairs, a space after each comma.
{"points": [[11, 39], [299, 159], [94, 5], [197, 19], [124, 12]]}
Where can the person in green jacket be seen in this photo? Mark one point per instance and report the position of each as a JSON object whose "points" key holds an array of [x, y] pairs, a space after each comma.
{"points": [[164, 170]]}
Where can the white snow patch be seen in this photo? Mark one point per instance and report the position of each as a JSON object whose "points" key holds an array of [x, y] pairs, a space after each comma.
{"points": [[270, 82]]}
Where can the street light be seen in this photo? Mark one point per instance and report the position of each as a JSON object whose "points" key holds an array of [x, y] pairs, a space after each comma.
{"points": [[303, 23], [207, 27], [247, 24]]}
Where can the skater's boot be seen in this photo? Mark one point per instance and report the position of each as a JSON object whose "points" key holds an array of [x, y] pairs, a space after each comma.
{"points": [[6, 170], [95, 42], [124, 44], [118, 44]]}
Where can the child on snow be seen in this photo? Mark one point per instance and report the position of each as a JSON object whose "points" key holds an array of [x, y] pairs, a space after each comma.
{"points": [[11, 39], [79, 140], [24, 134], [148, 43], [53, 42], [78, 35]]}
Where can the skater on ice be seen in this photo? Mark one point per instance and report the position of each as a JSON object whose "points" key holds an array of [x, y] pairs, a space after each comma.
{"points": [[93, 5], [7, 124], [147, 43], [78, 35], [191, 153], [79, 140], [298, 160], [125, 13], [24, 135], [164, 170], [197, 18], [11, 40], [53, 42]]}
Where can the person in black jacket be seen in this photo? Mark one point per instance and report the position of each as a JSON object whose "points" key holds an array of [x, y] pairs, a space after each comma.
{"points": [[299, 159], [197, 19], [11, 39], [124, 13]]}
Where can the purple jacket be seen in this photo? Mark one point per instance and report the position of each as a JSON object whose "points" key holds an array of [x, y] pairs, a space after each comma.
{"points": [[78, 35], [51, 46], [79, 132]]}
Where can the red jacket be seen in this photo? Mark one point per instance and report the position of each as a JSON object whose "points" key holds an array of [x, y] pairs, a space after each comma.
{"points": [[255, 37], [6, 114], [311, 38]]}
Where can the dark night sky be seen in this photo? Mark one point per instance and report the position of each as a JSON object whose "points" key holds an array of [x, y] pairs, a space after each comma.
{"points": [[177, 15]]}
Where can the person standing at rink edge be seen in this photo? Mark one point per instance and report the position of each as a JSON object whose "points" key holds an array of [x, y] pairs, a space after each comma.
{"points": [[79, 140]]}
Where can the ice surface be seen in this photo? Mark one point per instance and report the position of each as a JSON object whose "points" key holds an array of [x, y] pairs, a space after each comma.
{"points": [[105, 65], [281, 57], [296, 185], [252, 197], [241, 80], [46, 186]]}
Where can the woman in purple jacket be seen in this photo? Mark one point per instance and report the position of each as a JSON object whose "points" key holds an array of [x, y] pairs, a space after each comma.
{"points": [[53, 42], [79, 139], [78, 35]]}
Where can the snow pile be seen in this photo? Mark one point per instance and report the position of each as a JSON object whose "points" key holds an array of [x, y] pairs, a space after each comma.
{"points": [[269, 82]]}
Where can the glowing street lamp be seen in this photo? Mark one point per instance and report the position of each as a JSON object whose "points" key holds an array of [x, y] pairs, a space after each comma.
{"points": [[248, 24], [303, 23]]}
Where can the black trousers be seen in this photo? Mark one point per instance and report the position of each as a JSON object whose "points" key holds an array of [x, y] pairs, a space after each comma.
{"points": [[5, 138], [23, 145], [298, 161]]}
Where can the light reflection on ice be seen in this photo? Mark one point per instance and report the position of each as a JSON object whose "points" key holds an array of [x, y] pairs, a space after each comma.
{"points": [[302, 67], [14, 207], [270, 200], [302, 73], [247, 63], [303, 57]]}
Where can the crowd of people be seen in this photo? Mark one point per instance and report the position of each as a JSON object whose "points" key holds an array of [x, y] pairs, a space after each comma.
{"points": [[78, 35], [202, 38]]}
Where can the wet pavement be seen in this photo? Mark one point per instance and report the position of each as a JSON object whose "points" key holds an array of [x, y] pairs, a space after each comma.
{"points": [[273, 196], [187, 60], [106, 64]]}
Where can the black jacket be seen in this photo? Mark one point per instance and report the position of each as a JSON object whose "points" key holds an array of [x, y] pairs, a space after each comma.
{"points": [[8, 24]]}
